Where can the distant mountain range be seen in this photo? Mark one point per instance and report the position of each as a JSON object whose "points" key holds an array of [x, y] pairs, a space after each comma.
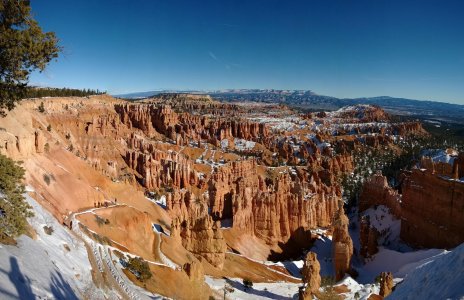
{"points": [[307, 99]]}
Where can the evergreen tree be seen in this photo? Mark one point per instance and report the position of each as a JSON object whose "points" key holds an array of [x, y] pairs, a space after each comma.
{"points": [[141, 267], [23, 48], [13, 208]]}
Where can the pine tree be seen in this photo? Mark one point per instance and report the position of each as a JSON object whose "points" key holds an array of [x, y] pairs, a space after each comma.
{"points": [[141, 267], [13, 207], [23, 48]]}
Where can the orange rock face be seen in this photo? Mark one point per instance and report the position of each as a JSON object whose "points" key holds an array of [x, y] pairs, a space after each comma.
{"points": [[273, 209], [173, 147], [430, 206], [204, 239], [386, 283], [342, 245], [311, 274], [183, 127], [376, 191], [194, 270]]}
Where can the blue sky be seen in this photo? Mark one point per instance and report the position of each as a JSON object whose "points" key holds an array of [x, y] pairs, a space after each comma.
{"points": [[412, 49]]}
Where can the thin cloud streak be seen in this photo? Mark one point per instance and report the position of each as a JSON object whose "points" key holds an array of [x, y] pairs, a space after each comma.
{"points": [[227, 65], [213, 56]]}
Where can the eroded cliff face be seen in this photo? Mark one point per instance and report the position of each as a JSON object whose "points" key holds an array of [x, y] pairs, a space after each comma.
{"points": [[376, 191], [430, 206], [432, 210], [274, 209], [185, 127], [202, 237]]}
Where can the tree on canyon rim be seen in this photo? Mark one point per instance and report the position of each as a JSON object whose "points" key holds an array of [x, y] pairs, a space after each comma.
{"points": [[13, 208], [24, 47]]}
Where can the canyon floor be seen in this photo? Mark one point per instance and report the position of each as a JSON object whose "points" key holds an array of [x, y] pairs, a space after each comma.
{"points": [[237, 200]]}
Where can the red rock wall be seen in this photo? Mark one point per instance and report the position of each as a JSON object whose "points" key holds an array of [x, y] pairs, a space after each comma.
{"points": [[376, 191], [342, 245], [432, 210]]}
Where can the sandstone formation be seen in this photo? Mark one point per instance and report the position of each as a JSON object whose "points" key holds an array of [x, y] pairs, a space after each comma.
{"points": [[432, 206], [386, 283], [311, 276], [202, 237], [272, 208], [376, 191], [342, 245], [194, 270], [368, 238]]}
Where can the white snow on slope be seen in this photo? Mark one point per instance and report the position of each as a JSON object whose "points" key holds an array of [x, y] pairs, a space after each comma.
{"points": [[387, 225], [43, 268], [243, 145], [400, 264], [357, 291], [442, 278], [276, 290], [323, 249]]}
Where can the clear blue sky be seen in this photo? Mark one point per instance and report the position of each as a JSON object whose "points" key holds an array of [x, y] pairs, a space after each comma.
{"points": [[412, 49]]}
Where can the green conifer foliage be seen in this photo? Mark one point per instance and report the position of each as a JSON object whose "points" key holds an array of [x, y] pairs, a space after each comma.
{"points": [[13, 207], [23, 49]]}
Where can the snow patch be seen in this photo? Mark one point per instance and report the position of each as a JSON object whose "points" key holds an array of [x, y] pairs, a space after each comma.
{"points": [[441, 278]]}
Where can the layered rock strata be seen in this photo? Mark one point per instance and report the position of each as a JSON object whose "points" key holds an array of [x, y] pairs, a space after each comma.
{"points": [[432, 210]]}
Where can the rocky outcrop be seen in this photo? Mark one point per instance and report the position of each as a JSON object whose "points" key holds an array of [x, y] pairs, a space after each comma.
{"points": [[271, 208], [159, 168], [386, 284], [311, 276], [407, 128], [194, 270], [39, 141], [454, 168], [432, 210], [202, 237], [363, 113], [430, 206], [342, 245], [376, 191], [185, 127], [368, 238]]}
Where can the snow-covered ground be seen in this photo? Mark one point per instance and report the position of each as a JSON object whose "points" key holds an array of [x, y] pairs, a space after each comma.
{"points": [[400, 264], [358, 291], [44, 268], [57, 265], [440, 155], [280, 124], [323, 248], [161, 201], [236, 289], [442, 278], [387, 225], [243, 145]]}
